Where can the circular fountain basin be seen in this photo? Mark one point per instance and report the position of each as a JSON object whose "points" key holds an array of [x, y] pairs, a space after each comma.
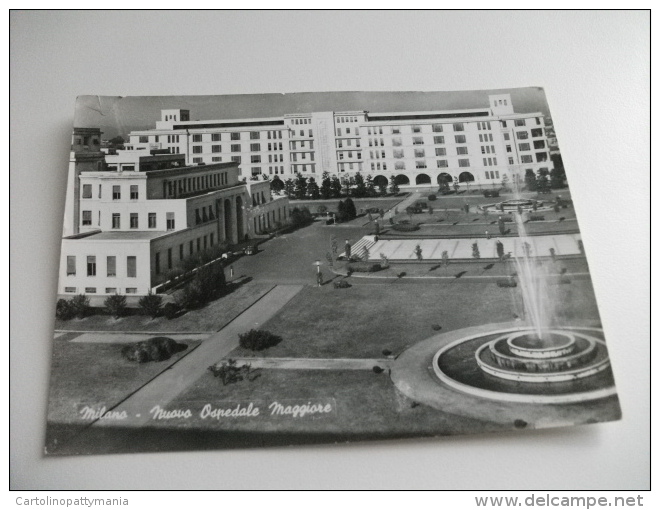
{"points": [[552, 345]]}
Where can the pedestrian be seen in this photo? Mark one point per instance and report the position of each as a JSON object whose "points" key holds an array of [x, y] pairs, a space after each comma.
{"points": [[231, 272], [487, 235]]}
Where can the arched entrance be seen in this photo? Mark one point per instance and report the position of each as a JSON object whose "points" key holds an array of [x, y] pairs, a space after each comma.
{"points": [[422, 179], [466, 177], [380, 180], [444, 177], [228, 222], [239, 218], [401, 179]]}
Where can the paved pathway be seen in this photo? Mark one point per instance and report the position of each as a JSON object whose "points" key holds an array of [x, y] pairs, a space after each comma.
{"points": [[170, 383], [316, 363]]}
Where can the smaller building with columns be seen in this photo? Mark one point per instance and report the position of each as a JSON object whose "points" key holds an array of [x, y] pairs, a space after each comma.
{"points": [[134, 220]]}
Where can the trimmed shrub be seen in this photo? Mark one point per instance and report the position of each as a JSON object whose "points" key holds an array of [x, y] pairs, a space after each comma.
{"points": [[405, 227], [431, 198], [155, 349], [364, 267], [64, 310], [378, 370], [341, 284], [536, 217], [151, 304], [170, 310], [115, 305], [80, 305], [229, 372], [258, 340]]}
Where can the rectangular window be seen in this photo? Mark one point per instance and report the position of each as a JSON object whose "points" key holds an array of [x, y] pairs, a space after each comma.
{"points": [[215, 148], [458, 126], [111, 263], [526, 159], [510, 161], [254, 135], [255, 170], [157, 263], [144, 139], [416, 129], [438, 139], [419, 153], [87, 191], [71, 290], [440, 151], [437, 128], [115, 220], [116, 193], [461, 150], [169, 258], [111, 290], [197, 138], [537, 132], [255, 147], [87, 217], [523, 146], [459, 138], [71, 265], [152, 220], [420, 164], [504, 123], [134, 220], [236, 147], [508, 148], [215, 137], [442, 163], [539, 144], [418, 140], [541, 156], [235, 136], [519, 122], [463, 162], [197, 149], [522, 135], [506, 136], [255, 159], [90, 290], [134, 192], [91, 265], [131, 290], [170, 220]]}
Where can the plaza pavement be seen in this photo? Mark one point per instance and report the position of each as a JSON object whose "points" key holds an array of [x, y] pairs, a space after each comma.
{"points": [[316, 363]]}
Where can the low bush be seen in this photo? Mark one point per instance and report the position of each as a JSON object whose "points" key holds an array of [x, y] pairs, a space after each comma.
{"points": [[431, 197], [151, 304], [116, 305], [414, 209], [536, 217], [155, 349], [80, 305], [229, 372], [170, 310], [341, 284], [378, 370], [364, 267], [258, 340], [64, 310], [405, 227], [507, 282]]}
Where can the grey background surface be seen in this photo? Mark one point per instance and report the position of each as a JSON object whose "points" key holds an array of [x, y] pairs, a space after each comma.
{"points": [[595, 70]]}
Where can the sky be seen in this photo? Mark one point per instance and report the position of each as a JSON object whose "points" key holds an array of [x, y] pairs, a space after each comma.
{"points": [[121, 115]]}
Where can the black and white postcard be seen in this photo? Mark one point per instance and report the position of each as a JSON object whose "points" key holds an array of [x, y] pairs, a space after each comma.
{"points": [[259, 270]]}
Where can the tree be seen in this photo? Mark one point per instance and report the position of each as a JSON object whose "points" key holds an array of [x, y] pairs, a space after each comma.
{"points": [[313, 189], [505, 182], [335, 187], [276, 184], [351, 212], [371, 188], [542, 182], [265, 177], [445, 259], [500, 250], [360, 187], [556, 178], [382, 188], [326, 186], [530, 180], [475, 251], [444, 186], [348, 183], [289, 187], [80, 306], [394, 189], [117, 141], [300, 188], [456, 184], [341, 211]]}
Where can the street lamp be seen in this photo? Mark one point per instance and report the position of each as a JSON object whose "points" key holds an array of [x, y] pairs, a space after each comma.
{"points": [[318, 273]]}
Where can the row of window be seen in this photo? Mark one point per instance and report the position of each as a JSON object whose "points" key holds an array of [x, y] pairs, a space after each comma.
{"points": [[108, 290], [345, 119], [202, 243], [303, 168], [301, 121], [276, 170], [349, 154], [302, 145], [351, 167], [185, 185], [275, 158], [348, 142], [310, 133], [111, 266], [116, 191]]}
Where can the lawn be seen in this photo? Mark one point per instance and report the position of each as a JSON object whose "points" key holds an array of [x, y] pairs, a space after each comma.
{"points": [[360, 203], [362, 321], [212, 317], [93, 374]]}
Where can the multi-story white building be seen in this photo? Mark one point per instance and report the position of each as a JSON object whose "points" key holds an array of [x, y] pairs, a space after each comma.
{"points": [[133, 218], [479, 145]]}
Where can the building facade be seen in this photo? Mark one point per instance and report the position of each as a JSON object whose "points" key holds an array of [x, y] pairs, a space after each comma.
{"points": [[479, 145], [135, 219]]}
